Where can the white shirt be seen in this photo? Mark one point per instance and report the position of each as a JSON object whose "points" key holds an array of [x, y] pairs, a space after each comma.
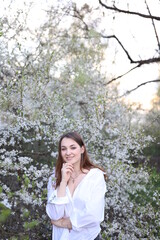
{"points": [[85, 208]]}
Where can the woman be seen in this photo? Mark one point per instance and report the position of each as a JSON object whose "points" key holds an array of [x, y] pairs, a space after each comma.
{"points": [[75, 192]]}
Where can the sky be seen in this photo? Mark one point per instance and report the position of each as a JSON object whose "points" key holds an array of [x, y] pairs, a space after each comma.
{"points": [[136, 34], [138, 38]]}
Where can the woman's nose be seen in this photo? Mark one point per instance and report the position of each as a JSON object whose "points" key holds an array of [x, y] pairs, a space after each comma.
{"points": [[68, 151]]}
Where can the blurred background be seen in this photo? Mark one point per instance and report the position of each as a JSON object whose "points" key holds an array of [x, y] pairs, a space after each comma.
{"points": [[91, 67]]}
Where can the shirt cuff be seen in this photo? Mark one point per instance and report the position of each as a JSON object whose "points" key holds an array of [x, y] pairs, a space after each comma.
{"points": [[53, 199], [73, 220]]}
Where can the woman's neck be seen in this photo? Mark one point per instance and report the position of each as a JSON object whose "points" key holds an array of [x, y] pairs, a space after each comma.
{"points": [[77, 169]]}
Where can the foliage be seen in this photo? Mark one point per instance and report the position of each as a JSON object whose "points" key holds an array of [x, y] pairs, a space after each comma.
{"points": [[152, 119], [150, 194], [48, 88], [4, 213], [30, 225], [30, 176], [151, 126]]}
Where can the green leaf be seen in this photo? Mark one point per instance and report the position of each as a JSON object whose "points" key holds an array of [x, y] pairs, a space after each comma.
{"points": [[31, 225], [26, 213], [4, 214]]}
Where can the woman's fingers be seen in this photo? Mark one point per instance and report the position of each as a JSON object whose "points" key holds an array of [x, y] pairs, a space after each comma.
{"points": [[67, 170], [56, 222], [63, 223], [52, 222], [67, 167]]}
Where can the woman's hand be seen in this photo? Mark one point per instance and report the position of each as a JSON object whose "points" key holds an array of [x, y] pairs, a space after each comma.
{"points": [[62, 223], [66, 171]]}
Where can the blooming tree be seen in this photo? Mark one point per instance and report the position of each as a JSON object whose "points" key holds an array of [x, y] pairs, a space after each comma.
{"points": [[52, 86]]}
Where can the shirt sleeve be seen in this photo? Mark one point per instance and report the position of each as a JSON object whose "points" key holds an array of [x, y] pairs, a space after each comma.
{"points": [[55, 207], [93, 213]]}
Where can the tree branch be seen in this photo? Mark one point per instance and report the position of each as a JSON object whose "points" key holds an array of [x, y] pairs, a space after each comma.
{"points": [[156, 34], [140, 85], [140, 62], [113, 36], [77, 14], [114, 8], [122, 75]]}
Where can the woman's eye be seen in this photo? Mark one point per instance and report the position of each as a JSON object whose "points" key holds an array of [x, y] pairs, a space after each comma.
{"points": [[73, 148]]}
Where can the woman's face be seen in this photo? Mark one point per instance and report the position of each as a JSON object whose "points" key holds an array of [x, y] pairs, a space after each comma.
{"points": [[71, 151]]}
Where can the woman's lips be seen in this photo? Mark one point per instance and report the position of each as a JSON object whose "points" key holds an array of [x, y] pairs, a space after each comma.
{"points": [[69, 158]]}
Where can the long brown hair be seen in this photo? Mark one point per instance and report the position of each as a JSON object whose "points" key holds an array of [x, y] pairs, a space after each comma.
{"points": [[85, 161]]}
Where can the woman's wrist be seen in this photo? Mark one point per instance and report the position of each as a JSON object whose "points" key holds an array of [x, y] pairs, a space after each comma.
{"points": [[63, 181], [62, 223], [62, 188]]}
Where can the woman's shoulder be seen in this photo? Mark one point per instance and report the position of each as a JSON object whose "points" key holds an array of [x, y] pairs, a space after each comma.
{"points": [[97, 178], [96, 172]]}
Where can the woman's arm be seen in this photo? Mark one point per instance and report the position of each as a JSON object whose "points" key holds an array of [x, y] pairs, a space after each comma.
{"points": [[66, 171], [57, 198], [55, 207], [61, 191], [62, 223]]}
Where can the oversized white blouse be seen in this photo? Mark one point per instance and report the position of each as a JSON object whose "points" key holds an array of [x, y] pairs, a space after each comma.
{"points": [[85, 208]]}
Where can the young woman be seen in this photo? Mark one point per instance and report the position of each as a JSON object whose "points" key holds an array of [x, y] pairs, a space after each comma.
{"points": [[75, 192]]}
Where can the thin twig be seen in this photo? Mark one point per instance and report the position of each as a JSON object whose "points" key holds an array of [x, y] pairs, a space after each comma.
{"points": [[114, 8], [140, 62], [114, 36], [140, 85], [122, 75], [153, 25]]}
